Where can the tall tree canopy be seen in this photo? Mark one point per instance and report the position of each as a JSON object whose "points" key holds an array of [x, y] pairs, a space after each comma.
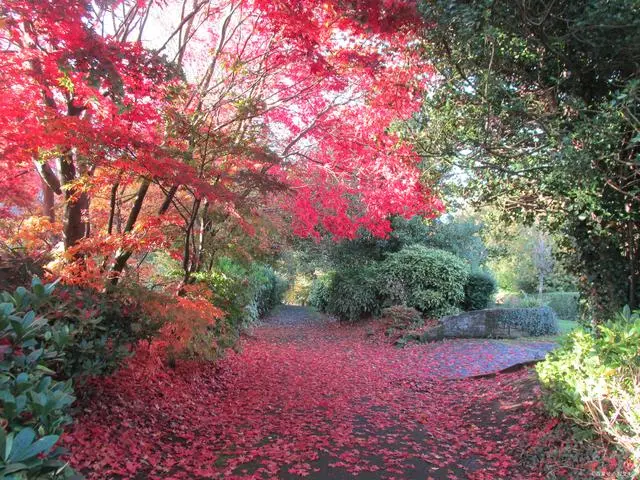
{"points": [[536, 111]]}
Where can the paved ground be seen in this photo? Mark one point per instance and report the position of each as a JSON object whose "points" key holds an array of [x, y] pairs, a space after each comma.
{"points": [[306, 397]]}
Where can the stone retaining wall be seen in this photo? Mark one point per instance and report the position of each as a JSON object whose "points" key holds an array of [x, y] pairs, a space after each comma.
{"points": [[496, 323]]}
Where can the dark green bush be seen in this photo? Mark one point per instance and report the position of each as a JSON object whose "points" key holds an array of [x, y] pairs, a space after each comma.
{"points": [[319, 293], [594, 379], [34, 405], [265, 289], [458, 236], [353, 294], [565, 304], [479, 290], [429, 280], [104, 327], [533, 321]]}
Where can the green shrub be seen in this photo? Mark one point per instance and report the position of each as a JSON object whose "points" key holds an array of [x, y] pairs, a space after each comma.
{"points": [[535, 321], [103, 327], [244, 294], [521, 300], [429, 280], [565, 304], [403, 317], [594, 379], [265, 289], [319, 293], [479, 290], [33, 404], [505, 299], [208, 344], [460, 237], [531, 301], [229, 292], [353, 294]]}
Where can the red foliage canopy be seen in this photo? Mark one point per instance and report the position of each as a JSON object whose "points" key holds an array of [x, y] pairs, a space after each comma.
{"points": [[312, 87]]}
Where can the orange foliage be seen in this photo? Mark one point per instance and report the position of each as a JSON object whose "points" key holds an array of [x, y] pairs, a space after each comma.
{"points": [[185, 317], [35, 234], [88, 262]]}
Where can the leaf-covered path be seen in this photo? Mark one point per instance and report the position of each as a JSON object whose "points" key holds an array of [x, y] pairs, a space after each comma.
{"points": [[306, 397]]}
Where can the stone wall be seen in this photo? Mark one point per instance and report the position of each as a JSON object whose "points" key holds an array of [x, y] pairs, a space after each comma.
{"points": [[468, 324], [499, 323]]}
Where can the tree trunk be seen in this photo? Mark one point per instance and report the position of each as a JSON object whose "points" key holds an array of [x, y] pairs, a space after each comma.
{"points": [[76, 203], [540, 285], [48, 202], [634, 267], [112, 206], [48, 176], [122, 256], [187, 260], [205, 225], [76, 209], [167, 200]]}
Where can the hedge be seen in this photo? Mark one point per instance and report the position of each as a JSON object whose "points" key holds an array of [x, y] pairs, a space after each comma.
{"points": [[479, 290], [565, 304], [427, 279], [354, 294], [533, 321]]}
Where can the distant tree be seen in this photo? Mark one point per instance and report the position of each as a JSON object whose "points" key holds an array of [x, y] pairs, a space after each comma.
{"points": [[542, 256]]}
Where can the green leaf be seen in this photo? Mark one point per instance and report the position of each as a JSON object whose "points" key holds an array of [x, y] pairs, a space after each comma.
{"points": [[8, 447], [13, 468], [21, 403], [7, 397], [34, 356], [3, 442], [16, 324], [44, 383], [7, 309], [48, 288], [626, 312], [44, 369], [40, 446], [21, 442], [28, 318], [38, 290]]}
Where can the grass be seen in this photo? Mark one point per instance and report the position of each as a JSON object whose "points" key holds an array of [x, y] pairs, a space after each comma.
{"points": [[565, 326]]}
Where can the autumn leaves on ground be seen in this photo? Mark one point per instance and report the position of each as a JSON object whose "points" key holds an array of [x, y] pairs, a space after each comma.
{"points": [[308, 397]]}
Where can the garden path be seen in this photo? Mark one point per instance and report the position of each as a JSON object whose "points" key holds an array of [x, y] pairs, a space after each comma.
{"points": [[307, 397]]}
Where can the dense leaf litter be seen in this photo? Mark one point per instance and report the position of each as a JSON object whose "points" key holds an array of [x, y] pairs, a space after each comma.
{"points": [[307, 397]]}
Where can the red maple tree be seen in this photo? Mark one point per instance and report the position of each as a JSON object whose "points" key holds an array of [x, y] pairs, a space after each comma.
{"points": [[209, 116]]}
